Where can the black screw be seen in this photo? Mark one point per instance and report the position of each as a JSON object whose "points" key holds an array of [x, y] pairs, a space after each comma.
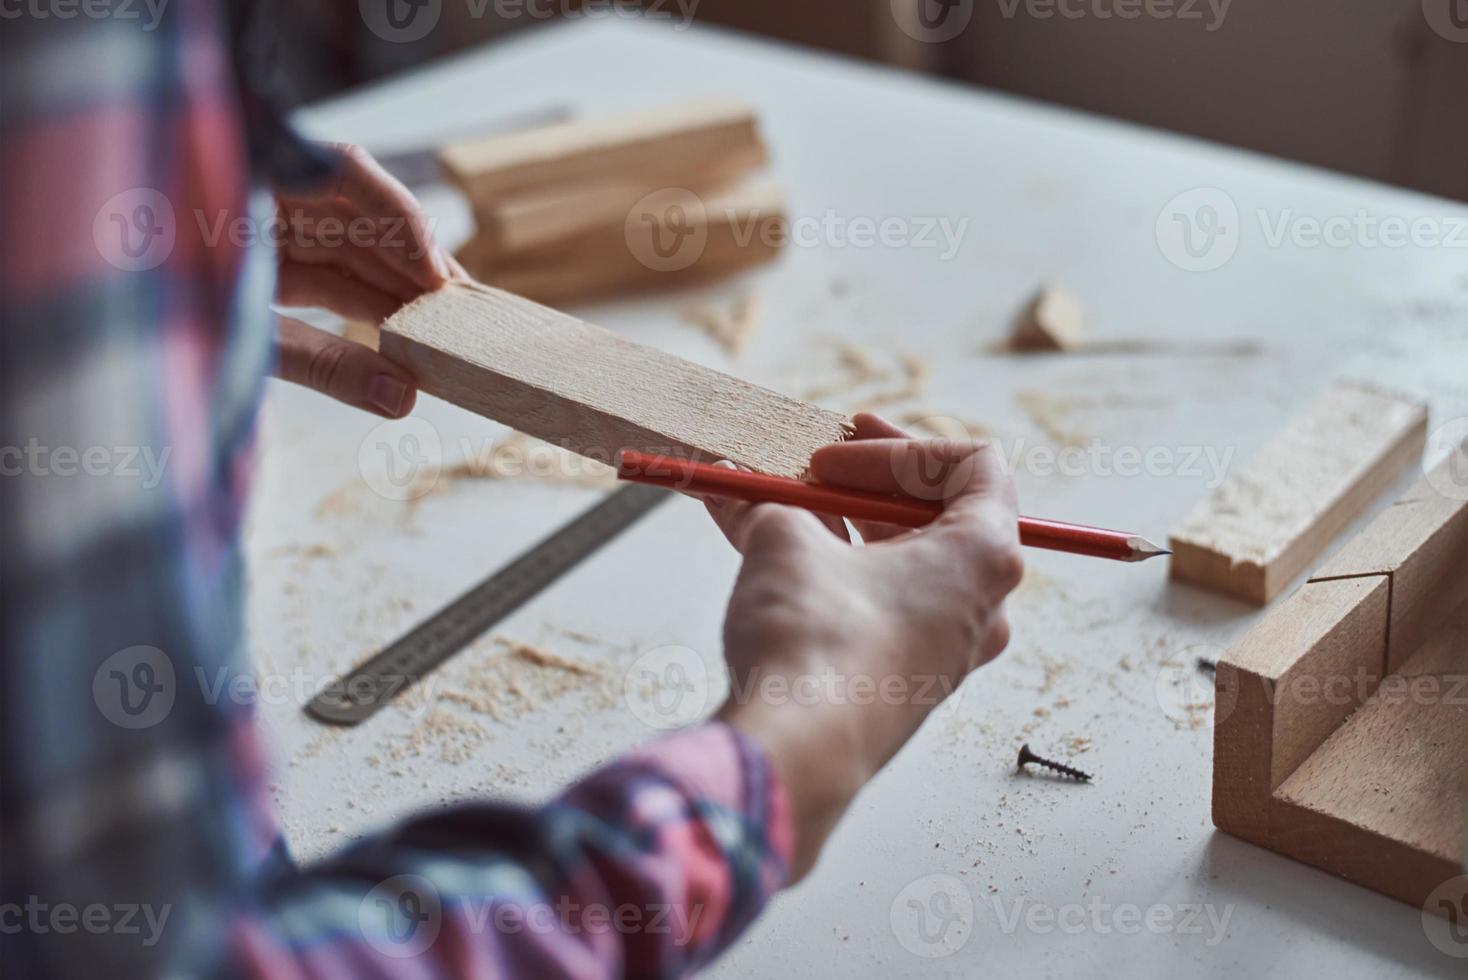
{"points": [[1206, 666], [1026, 757]]}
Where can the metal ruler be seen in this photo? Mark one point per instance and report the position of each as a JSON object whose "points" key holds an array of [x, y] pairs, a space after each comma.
{"points": [[356, 697]]}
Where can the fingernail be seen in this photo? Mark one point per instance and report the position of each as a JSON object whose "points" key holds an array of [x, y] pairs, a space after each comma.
{"points": [[441, 263], [386, 393], [724, 464]]}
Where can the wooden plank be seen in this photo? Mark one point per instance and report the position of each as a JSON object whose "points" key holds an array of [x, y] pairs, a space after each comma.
{"points": [[590, 391], [1265, 525], [662, 145], [1382, 802], [716, 235], [541, 216], [1419, 542], [1284, 688]]}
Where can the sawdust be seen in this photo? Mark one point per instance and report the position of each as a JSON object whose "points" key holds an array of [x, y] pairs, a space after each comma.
{"points": [[857, 367], [452, 738], [733, 328], [519, 679], [1051, 414], [521, 457], [916, 371]]}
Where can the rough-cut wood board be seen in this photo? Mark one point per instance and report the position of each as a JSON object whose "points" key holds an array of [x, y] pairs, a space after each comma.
{"points": [[535, 218], [661, 144], [590, 391], [1051, 320], [1283, 689], [1265, 525], [1384, 802], [744, 226], [1419, 542]]}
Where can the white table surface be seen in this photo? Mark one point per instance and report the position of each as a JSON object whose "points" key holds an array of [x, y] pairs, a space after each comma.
{"points": [[338, 570]]}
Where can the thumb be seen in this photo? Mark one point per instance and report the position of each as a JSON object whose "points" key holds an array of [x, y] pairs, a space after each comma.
{"points": [[346, 371]]}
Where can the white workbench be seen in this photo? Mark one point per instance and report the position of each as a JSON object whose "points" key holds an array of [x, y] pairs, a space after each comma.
{"points": [[339, 570]]}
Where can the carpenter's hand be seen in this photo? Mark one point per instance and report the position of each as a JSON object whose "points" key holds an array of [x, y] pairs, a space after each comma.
{"points": [[360, 248], [837, 653]]}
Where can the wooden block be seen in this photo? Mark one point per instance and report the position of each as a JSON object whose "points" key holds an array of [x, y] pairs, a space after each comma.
{"points": [[1286, 687], [695, 238], [661, 145], [1384, 802], [590, 391], [532, 219], [1051, 321], [1419, 542], [1265, 525]]}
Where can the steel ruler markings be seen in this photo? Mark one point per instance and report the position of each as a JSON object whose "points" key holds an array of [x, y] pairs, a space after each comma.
{"points": [[356, 697]]}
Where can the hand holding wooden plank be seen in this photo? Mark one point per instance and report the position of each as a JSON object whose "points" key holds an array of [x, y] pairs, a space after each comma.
{"points": [[588, 390]]}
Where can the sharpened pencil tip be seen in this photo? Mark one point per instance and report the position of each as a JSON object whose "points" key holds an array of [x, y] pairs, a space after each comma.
{"points": [[1142, 549]]}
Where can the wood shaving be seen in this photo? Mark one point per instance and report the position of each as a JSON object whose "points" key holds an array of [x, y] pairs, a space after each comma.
{"points": [[943, 426], [519, 680], [915, 372], [731, 329], [858, 367]]}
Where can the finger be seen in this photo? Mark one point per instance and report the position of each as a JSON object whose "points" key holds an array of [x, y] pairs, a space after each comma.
{"points": [[456, 268], [379, 195], [328, 288], [325, 235], [930, 469], [982, 522], [870, 426], [346, 371], [770, 529]]}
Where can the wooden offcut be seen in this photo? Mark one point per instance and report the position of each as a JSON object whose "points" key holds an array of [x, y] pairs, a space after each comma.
{"points": [[588, 390], [1262, 528], [1342, 717], [659, 147], [720, 233], [1051, 321]]}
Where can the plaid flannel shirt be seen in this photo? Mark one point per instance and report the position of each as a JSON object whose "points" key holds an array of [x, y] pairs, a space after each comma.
{"points": [[136, 836]]}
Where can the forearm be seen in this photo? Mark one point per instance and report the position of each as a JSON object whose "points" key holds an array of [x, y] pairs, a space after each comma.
{"points": [[649, 867]]}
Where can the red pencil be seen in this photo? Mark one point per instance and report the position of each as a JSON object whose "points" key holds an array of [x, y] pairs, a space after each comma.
{"points": [[703, 478]]}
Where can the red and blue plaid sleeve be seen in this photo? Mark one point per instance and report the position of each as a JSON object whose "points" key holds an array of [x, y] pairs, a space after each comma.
{"points": [[648, 868]]}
